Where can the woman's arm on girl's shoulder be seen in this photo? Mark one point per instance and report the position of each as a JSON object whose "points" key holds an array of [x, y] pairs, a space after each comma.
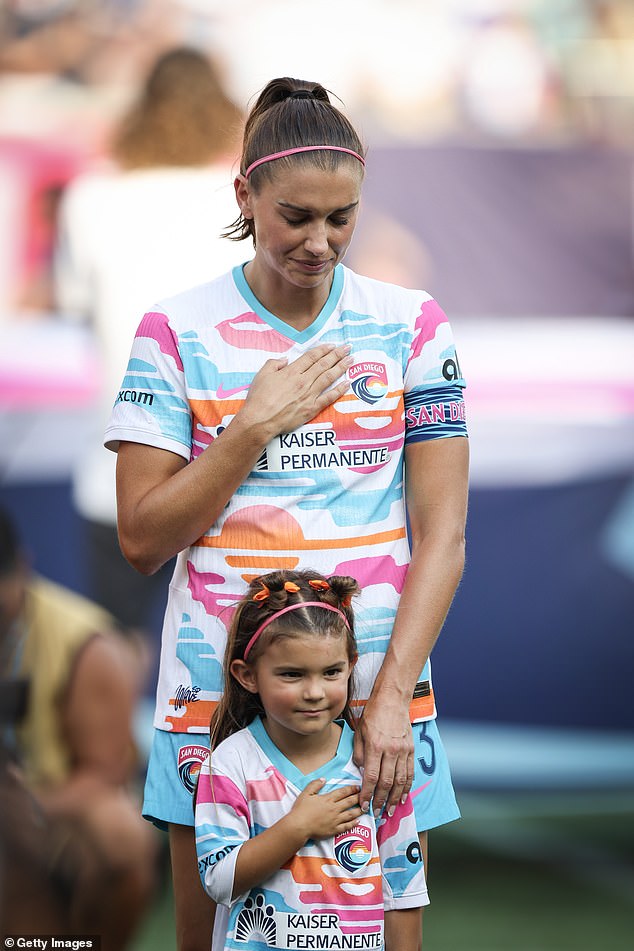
{"points": [[436, 474]]}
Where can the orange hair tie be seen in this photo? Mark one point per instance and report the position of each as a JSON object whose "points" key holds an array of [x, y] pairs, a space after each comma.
{"points": [[319, 585], [347, 601], [291, 587], [262, 595]]}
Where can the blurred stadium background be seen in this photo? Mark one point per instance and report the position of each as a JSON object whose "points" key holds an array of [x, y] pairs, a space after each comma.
{"points": [[501, 138]]}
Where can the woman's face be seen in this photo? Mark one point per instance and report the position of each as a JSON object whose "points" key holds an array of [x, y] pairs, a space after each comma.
{"points": [[304, 220]]}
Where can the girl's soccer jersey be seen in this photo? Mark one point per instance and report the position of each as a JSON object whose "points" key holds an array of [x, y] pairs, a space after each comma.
{"points": [[328, 496], [334, 892]]}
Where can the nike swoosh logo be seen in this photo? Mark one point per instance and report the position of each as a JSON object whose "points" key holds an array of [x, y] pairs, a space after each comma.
{"points": [[223, 394]]}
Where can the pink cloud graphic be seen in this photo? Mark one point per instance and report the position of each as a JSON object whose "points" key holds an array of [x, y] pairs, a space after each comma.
{"points": [[214, 602], [250, 331], [212, 789], [369, 570], [430, 317], [156, 326], [272, 789]]}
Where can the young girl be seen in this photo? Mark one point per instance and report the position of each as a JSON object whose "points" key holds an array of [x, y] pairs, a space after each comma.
{"points": [[283, 845]]}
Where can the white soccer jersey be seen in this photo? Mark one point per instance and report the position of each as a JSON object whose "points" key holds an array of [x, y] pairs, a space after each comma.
{"points": [[329, 496], [334, 892]]}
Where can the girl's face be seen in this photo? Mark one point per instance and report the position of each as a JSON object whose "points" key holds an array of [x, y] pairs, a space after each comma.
{"points": [[303, 685], [304, 219]]}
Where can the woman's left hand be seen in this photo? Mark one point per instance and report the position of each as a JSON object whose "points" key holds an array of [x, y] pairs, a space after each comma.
{"points": [[384, 749]]}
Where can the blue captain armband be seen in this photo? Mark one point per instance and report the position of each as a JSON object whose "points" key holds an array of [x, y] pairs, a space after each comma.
{"points": [[434, 413]]}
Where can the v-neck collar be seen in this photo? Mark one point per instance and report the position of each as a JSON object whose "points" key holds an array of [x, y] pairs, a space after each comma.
{"points": [[288, 769], [287, 330]]}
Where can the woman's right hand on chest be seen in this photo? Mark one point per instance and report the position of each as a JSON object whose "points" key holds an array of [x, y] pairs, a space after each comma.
{"points": [[165, 504], [284, 396]]}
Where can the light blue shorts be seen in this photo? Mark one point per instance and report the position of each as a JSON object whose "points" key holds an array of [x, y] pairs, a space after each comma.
{"points": [[175, 760], [432, 790], [172, 772]]}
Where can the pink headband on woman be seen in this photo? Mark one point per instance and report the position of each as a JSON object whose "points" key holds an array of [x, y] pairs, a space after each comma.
{"points": [[292, 607], [303, 148]]}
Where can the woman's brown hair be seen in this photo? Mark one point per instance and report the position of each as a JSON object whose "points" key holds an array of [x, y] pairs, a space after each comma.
{"points": [[183, 116], [288, 114]]}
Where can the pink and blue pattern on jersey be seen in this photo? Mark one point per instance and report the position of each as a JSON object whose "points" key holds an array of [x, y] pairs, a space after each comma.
{"points": [[330, 495]]}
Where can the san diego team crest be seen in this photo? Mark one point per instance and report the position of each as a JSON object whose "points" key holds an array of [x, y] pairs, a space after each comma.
{"points": [[368, 381], [190, 759], [353, 849]]}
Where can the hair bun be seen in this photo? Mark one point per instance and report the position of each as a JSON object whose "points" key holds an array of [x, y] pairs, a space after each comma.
{"points": [[302, 94]]}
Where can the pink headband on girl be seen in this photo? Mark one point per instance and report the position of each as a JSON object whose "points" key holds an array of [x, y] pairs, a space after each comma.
{"points": [[303, 148], [292, 607]]}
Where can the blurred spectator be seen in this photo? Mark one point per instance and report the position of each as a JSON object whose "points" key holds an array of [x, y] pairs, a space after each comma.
{"points": [[88, 42], [68, 69], [508, 84], [42, 37], [75, 752], [599, 68], [130, 234]]}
